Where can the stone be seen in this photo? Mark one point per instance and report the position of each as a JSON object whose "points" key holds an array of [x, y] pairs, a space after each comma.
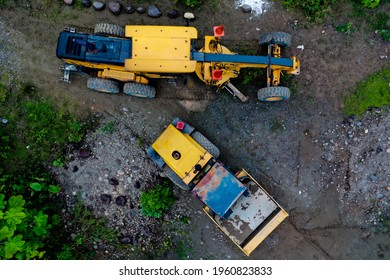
{"points": [[129, 9], [126, 240], [69, 2], [359, 123], [115, 7], [373, 178], [86, 3], [154, 12], [106, 198], [141, 10], [137, 185], [113, 181], [173, 14], [379, 196], [98, 6], [75, 168], [379, 149], [85, 153], [246, 8], [135, 168], [121, 200]]}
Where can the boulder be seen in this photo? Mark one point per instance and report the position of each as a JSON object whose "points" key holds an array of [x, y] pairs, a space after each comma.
{"points": [[246, 8], [154, 12], [173, 14], [129, 9], [87, 3], [106, 198], [98, 6], [121, 200], [115, 7], [141, 10]]}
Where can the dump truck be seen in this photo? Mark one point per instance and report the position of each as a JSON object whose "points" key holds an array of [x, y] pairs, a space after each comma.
{"points": [[126, 59], [236, 203]]}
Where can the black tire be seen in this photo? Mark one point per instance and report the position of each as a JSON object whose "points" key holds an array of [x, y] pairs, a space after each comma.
{"points": [[273, 94], [103, 85], [139, 90], [280, 38], [175, 178], [206, 143], [109, 29]]}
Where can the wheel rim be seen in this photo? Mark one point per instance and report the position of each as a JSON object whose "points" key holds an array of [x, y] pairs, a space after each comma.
{"points": [[274, 98]]}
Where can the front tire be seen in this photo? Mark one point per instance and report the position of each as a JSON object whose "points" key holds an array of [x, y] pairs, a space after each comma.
{"points": [[174, 178], [280, 38], [103, 85], [272, 94]]}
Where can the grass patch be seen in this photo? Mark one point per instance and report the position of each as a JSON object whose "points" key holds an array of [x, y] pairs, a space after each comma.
{"points": [[373, 92]]}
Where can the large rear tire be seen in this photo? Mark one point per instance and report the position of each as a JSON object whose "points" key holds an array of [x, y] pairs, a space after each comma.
{"points": [[280, 38], [206, 143], [273, 94], [109, 29], [103, 85], [175, 178], [139, 90]]}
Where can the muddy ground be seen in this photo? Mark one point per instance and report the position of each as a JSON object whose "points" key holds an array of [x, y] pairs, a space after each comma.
{"points": [[330, 172]]}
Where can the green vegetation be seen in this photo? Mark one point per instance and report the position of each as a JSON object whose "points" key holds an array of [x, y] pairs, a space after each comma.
{"points": [[314, 10], [373, 92], [32, 139], [346, 28], [190, 3], [370, 3], [157, 201], [86, 231]]}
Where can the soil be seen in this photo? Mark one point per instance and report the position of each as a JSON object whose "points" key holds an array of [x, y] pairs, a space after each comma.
{"points": [[330, 172]]}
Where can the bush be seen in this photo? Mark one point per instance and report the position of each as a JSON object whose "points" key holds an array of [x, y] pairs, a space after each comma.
{"points": [[191, 3], [157, 201], [314, 10]]}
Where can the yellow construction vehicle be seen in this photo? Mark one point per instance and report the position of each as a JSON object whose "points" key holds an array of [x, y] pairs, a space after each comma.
{"points": [[130, 56], [236, 203]]}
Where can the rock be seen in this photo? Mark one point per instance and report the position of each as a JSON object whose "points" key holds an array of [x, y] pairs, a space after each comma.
{"points": [[114, 7], [126, 240], [154, 12], [98, 6], [90, 207], [189, 16], [85, 153], [135, 168], [129, 9], [106, 198], [137, 185], [113, 181], [121, 200], [373, 178], [379, 149], [359, 123], [141, 10], [86, 3], [173, 14], [75, 168], [380, 196], [246, 8], [69, 2]]}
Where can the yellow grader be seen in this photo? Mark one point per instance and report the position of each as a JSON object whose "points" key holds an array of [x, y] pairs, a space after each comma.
{"points": [[127, 58]]}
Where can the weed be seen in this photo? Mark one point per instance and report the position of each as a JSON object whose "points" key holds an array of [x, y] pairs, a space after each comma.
{"points": [[277, 125], [372, 92], [58, 163], [108, 127], [314, 10], [140, 142], [379, 21], [157, 201], [370, 3], [190, 3], [346, 28], [185, 220], [183, 249]]}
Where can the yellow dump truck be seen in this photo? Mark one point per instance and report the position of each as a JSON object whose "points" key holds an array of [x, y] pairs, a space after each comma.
{"points": [[236, 203]]}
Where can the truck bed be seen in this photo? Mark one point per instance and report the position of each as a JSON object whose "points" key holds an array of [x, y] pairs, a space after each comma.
{"points": [[248, 214]]}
